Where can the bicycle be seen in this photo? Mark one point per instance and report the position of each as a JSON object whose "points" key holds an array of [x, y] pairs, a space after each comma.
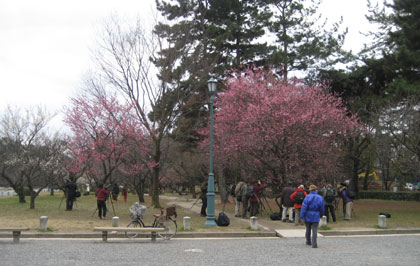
{"points": [[161, 220]]}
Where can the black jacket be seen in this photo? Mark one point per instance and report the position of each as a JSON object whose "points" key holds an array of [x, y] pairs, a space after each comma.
{"points": [[71, 189], [285, 197]]}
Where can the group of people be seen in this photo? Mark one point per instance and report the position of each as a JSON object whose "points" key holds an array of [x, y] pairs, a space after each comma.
{"points": [[309, 208], [292, 200], [247, 192], [102, 194]]}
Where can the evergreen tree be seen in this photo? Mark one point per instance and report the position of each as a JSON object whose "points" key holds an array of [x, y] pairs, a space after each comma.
{"points": [[202, 37], [302, 43], [397, 44]]}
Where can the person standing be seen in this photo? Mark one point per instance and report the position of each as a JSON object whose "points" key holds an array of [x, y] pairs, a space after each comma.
{"points": [[311, 212], [125, 193], [287, 203], [329, 200], [297, 197], [115, 192], [70, 189], [203, 197], [238, 197], [101, 196], [246, 193], [257, 188], [347, 201]]}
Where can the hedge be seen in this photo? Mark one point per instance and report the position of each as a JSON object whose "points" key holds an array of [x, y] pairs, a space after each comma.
{"points": [[388, 195]]}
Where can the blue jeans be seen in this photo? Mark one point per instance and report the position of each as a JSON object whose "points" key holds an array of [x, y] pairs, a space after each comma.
{"points": [[314, 228]]}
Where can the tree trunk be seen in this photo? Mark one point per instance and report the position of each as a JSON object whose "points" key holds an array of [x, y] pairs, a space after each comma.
{"points": [[32, 205], [155, 177], [140, 190], [155, 188], [222, 188], [21, 194]]}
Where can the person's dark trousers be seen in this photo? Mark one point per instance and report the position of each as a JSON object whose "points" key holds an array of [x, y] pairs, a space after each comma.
{"points": [[254, 208], [344, 208], [330, 208], [204, 207], [314, 228], [244, 207], [101, 208], [69, 203]]}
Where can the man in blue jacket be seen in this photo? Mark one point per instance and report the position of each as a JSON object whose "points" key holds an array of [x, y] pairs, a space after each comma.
{"points": [[311, 212]]}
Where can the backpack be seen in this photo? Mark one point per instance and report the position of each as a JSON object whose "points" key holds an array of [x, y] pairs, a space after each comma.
{"points": [[329, 195], [249, 191], [232, 190], [222, 219], [239, 196], [351, 194], [275, 216], [300, 196]]}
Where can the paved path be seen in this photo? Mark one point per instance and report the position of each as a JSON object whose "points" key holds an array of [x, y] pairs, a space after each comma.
{"points": [[264, 225], [343, 251]]}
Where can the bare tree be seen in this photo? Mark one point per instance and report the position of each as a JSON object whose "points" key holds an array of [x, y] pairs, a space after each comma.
{"points": [[125, 58], [30, 157]]}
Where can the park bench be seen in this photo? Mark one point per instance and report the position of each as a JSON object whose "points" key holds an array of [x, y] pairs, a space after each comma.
{"points": [[15, 232], [105, 230]]}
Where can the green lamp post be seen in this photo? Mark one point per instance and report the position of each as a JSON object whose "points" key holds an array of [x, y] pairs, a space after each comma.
{"points": [[211, 219]]}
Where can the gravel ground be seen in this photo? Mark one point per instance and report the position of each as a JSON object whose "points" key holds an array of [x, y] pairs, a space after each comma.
{"points": [[369, 250]]}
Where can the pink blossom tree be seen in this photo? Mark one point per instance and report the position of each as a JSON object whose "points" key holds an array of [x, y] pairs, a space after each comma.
{"points": [[286, 131], [107, 139]]}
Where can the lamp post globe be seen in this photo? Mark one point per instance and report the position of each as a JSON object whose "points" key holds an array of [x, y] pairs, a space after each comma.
{"points": [[211, 218]]}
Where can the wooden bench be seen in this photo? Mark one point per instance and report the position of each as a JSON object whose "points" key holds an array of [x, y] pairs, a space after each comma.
{"points": [[15, 231], [105, 231]]}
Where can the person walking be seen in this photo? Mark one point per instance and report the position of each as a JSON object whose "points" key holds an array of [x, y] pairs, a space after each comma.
{"points": [[297, 197], [70, 189], [257, 188], [311, 212], [329, 200], [101, 196], [347, 201], [203, 197], [287, 203]]}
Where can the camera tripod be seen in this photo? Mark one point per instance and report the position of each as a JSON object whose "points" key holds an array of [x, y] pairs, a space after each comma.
{"points": [[112, 204], [262, 202], [64, 196]]}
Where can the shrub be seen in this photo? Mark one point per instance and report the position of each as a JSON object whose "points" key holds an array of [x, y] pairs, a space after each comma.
{"points": [[388, 195]]}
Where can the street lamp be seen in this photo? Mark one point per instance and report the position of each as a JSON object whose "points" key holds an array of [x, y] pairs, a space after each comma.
{"points": [[211, 219]]}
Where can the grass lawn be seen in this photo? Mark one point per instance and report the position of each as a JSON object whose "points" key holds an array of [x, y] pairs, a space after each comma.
{"points": [[404, 214]]}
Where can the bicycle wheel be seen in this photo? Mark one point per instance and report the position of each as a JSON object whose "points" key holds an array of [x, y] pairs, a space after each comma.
{"points": [[133, 224], [170, 228]]}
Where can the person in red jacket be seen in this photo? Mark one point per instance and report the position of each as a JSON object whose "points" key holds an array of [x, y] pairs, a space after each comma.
{"points": [[298, 196], [258, 187], [125, 193], [101, 196]]}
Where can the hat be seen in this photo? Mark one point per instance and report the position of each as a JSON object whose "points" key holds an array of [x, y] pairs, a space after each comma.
{"points": [[301, 186], [312, 187]]}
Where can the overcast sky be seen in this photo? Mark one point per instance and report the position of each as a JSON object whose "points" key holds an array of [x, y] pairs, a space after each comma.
{"points": [[44, 44]]}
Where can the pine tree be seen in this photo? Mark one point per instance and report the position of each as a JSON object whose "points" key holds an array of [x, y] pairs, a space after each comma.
{"points": [[206, 36], [302, 43]]}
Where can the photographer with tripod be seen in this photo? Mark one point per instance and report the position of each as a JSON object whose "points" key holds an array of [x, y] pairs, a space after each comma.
{"points": [[254, 204], [102, 194], [70, 190]]}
